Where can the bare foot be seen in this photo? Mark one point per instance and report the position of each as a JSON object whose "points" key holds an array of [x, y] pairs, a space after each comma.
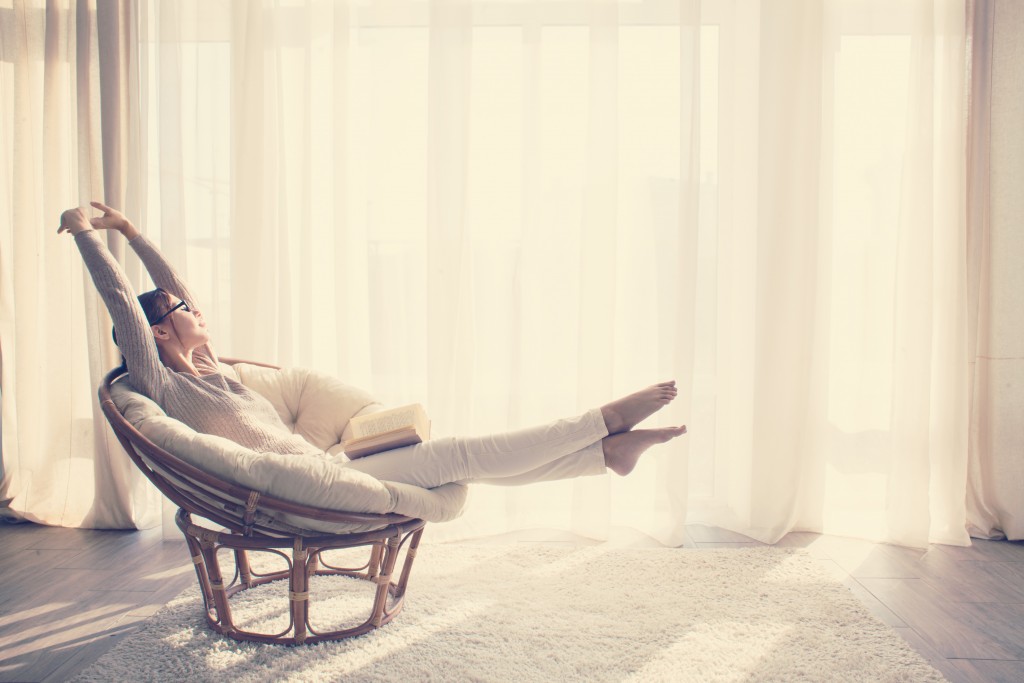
{"points": [[625, 413], [622, 451]]}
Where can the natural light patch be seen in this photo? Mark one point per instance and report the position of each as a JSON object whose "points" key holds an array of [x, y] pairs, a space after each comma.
{"points": [[461, 610], [723, 651], [60, 627], [790, 571], [82, 471], [871, 73], [169, 573], [856, 501], [35, 612], [576, 561]]}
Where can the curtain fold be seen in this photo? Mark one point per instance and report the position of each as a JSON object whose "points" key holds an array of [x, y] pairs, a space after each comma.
{"points": [[841, 406], [790, 300], [68, 118], [995, 474], [516, 211]]}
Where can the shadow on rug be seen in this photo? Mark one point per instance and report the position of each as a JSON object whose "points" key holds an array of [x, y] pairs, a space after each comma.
{"points": [[538, 613]]}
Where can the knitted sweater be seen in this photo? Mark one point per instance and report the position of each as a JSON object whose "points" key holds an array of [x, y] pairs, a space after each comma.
{"points": [[210, 403]]}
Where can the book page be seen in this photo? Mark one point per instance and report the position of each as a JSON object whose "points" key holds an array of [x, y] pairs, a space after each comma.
{"points": [[378, 424]]}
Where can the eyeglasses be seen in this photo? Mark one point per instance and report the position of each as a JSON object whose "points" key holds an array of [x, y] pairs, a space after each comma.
{"points": [[181, 304]]}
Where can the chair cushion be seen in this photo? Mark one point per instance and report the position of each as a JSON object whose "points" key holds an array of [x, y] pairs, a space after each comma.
{"points": [[312, 404], [316, 406]]}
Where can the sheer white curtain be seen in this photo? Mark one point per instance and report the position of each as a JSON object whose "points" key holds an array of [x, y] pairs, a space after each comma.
{"points": [[512, 211], [67, 108], [840, 367], [515, 210], [995, 209]]}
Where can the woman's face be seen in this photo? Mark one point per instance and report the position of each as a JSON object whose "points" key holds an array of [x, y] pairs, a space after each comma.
{"points": [[185, 325]]}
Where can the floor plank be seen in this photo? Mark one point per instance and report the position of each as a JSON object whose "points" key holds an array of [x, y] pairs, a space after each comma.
{"points": [[948, 626], [864, 559], [83, 656], [69, 594], [923, 648], [986, 551], [51, 587], [971, 581], [878, 608], [40, 646], [1001, 622], [27, 535], [989, 671]]}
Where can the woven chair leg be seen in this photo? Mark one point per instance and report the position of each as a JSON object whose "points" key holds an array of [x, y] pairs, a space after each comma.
{"points": [[312, 565], [220, 596], [196, 554], [244, 569], [299, 595], [410, 555], [384, 581], [373, 569]]}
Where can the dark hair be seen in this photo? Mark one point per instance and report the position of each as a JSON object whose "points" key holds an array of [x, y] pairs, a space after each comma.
{"points": [[154, 304]]}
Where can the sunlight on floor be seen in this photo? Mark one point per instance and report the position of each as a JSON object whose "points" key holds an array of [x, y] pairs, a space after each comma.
{"points": [[168, 573], [59, 630], [35, 612], [852, 550], [736, 657], [577, 561], [438, 623], [791, 570]]}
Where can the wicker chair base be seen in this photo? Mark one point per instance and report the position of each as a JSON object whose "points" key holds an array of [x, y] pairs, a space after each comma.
{"points": [[303, 562]]}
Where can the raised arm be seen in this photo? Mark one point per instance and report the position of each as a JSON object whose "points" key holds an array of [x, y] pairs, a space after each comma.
{"points": [[134, 336], [160, 271]]}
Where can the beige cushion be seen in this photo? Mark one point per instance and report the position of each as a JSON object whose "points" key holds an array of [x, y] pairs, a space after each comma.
{"points": [[311, 404]]}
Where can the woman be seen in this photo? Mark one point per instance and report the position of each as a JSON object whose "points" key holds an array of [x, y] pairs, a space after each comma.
{"points": [[166, 345]]}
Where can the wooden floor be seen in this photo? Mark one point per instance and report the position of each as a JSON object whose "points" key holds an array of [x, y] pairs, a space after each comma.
{"points": [[69, 595]]}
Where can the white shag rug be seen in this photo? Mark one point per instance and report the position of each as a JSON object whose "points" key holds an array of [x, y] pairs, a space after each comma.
{"points": [[533, 612]]}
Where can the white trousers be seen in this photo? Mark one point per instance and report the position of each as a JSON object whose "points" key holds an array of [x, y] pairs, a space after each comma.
{"points": [[559, 450]]}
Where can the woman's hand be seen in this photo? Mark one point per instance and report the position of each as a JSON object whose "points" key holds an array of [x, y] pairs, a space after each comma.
{"points": [[73, 221], [112, 219]]}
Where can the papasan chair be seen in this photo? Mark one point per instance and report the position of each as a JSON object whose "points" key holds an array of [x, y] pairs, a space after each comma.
{"points": [[295, 507]]}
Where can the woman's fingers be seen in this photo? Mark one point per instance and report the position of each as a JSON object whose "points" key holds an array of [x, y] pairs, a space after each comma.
{"points": [[101, 206], [72, 221], [104, 223]]}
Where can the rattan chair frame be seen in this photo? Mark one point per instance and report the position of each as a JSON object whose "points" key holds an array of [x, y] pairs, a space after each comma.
{"points": [[250, 522]]}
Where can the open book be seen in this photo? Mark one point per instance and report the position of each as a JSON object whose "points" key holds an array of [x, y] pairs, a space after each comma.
{"points": [[387, 429]]}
